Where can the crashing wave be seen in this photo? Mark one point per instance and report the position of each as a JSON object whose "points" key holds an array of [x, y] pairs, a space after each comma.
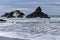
{"points": [[32, 28]]}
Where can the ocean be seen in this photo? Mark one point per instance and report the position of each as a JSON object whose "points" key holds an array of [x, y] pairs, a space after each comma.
{"points": [[30, 28]]}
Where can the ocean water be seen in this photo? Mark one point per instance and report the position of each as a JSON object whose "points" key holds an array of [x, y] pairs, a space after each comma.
{"points": [[30, 28]]}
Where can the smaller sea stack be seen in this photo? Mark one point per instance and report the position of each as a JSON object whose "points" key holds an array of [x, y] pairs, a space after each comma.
{"points": [[14, 14]]}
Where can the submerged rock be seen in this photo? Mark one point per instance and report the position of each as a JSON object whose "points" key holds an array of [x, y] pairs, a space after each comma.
{"points": [[2, 20], [37, 13], [14, 14]]}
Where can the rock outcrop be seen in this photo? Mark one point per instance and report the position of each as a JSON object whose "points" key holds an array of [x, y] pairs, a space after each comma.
{"points": [[19, 14], [14, 14], [37, 13], [5, 15]]}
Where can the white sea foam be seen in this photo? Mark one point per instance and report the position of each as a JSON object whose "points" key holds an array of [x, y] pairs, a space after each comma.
{"points": [[33, 29]]}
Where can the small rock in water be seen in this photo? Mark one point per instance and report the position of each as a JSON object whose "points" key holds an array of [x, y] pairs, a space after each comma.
{"points": [[3, 20]]}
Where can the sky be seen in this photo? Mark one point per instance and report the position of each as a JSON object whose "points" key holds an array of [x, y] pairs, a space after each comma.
{"points": [[50, 7]]}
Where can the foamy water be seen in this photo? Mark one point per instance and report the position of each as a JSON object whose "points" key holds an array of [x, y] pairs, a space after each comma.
{"points": [[31, 29]]}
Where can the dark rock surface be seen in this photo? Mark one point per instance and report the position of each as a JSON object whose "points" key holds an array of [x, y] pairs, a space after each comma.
{"points": [[10, 15], [5, 15], [37, 13], [14, 14], [20, 15]]}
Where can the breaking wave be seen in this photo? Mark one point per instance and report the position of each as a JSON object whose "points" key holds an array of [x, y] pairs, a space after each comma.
{"points": [[31, 28]]}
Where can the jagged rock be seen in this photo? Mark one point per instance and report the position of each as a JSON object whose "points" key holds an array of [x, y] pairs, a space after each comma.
{"points": [[14, 14], [5, 15], [19, 14], [37, 13], [11, 15]]}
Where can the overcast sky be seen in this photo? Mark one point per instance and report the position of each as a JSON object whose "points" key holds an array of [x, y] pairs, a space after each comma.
{"points": [[50, 7]]}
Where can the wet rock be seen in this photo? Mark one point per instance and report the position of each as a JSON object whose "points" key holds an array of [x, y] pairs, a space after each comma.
{"points": [[5, 15], [37, 13], [11, 15], [19, 14], [14, 14]]}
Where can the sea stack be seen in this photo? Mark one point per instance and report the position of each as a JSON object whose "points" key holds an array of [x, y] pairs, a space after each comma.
{"points": [[37, 13], [14, 14]]}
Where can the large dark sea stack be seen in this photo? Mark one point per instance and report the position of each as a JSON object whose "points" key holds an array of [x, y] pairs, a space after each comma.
{"points": [[37, 13], [14, 14]]}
